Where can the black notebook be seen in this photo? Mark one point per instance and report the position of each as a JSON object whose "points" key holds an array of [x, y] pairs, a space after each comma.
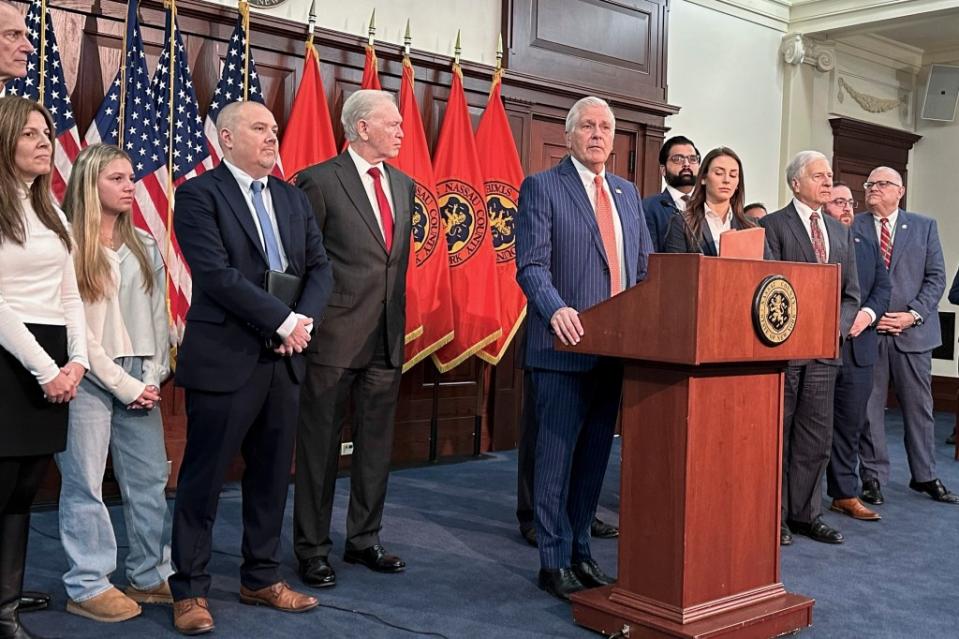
{"points": [[283, 286]]}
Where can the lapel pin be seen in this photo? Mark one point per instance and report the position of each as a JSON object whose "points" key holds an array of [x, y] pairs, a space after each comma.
{"points": [[904, 226], [618, 192], [855, 239]]}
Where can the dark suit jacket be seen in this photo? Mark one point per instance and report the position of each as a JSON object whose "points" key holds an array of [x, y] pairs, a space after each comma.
{"points": [[788, 241], [659, 210], [366, 280], [918, 276], [678, 242], [560, 259], [875, 289], [231, 316], [954, 290]]}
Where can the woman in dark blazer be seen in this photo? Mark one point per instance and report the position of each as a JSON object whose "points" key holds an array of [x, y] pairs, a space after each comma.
{"points": [[43, 353], [715, 206]]}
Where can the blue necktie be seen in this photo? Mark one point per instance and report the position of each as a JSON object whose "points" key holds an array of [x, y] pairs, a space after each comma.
{"points": [[272, 247]]}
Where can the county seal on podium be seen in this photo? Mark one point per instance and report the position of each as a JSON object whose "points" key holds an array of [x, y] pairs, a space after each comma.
{"points": [[774, 310]]}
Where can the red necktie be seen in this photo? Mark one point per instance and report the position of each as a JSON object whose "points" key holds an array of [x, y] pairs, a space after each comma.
{"points": [[604, 218], [386, 213], [885, 241], [818, 243]]}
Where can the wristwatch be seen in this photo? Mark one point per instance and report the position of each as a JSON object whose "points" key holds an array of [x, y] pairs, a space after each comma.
{"points": [[916, 318]]}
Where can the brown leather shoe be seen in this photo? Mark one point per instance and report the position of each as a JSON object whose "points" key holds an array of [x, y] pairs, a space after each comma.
{"points": [[192, 616], [279, 596], [855, 509]]}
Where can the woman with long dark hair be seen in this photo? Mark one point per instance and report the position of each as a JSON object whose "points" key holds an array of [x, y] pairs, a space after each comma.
{"points": [[715, 206], [43, 349], [121, 280]]}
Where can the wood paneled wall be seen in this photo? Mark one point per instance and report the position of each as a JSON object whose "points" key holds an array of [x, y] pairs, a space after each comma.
{"points": [[561, 51]]}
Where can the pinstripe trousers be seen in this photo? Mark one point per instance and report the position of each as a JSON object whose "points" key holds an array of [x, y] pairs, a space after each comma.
{"points": [[807, 438], [577, 417]]}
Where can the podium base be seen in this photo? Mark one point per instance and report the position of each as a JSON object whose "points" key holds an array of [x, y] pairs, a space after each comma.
{"points": [[772, 618]]}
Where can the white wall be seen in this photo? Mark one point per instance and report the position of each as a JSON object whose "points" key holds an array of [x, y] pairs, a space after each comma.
{"points": [[725, 74], [433, 24]]}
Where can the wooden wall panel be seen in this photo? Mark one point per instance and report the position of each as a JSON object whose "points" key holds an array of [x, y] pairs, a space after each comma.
{"points": [[472, 408]]}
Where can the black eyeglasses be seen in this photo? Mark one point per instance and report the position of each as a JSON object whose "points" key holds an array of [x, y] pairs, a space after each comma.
{"points": [[880, 184], [851, 203], [684, 159]]}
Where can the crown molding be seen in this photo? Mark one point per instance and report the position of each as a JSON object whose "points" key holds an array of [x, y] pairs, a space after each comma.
{"points": [[773, 14], [811, 16], [881, 50]]}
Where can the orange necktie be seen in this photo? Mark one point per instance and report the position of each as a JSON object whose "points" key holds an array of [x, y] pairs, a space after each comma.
{"points": [[604, 218]]}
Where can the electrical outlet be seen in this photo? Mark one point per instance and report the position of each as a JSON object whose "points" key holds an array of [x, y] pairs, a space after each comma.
{"points": [[346, 448]]}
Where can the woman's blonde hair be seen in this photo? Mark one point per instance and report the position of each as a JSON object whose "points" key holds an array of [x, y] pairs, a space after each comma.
{"points": [[82, 207], [14, 112]]}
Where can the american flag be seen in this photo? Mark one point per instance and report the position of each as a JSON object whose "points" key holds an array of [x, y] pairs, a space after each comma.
{"points": [[230, 87], [56, 96]]}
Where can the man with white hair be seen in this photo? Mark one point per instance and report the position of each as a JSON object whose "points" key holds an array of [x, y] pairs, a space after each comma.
{"points": [[801, 233], [364, 208], [908, 332], [15, 48], [581, 238]]}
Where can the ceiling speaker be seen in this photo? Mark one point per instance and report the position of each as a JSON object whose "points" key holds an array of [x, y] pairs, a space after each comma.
{"points": [[942, 94]]}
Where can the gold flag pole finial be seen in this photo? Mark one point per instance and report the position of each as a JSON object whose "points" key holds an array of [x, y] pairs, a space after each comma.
{"points": [[42, 56], [457, 49], [244, 10], [312, 25], [499, 53], [407, 39], [372, 29]]}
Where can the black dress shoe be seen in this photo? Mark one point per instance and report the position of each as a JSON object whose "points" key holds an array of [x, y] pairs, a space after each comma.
{"points": [[936, 490], [375, 558], [871, 493], [317, 572], [560, 583], [601, 530], [31, 601], [785, 537], [591, 575], [818, 530], [529, 534]]}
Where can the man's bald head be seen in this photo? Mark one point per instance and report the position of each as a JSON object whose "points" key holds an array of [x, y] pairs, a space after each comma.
{"points": [[884, 191], [248, 137], [15, 48]]}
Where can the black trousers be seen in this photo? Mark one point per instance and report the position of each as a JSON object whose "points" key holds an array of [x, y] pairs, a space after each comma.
{"points": [[325, 404], [259, 421], [19, 480], [853, 387]]}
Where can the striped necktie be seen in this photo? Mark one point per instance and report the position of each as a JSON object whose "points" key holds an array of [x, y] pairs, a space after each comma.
{"points": [[604, 218], [885, 241], [818, 243]]}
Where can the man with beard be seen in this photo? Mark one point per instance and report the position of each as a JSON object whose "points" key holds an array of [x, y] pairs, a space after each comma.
{"points": [[679, 164], [859, 353]]}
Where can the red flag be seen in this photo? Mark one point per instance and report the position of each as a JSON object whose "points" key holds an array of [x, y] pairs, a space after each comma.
{"points": [[428, 277], [371, 78], [473, 279], [503, 173], [309, 132]]}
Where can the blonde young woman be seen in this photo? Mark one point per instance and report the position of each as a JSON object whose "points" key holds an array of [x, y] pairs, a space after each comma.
{"points": [[43, 352], [121, 280]]}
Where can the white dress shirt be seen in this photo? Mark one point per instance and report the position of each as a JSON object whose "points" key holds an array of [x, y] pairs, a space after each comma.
{"points": [[804, 213], [678, 197], [893, 218], [718, 224], [587, 177], [363, 167]]}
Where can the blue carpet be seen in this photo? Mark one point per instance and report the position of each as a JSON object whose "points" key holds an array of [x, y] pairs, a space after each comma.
{"points": [[471, 575]]}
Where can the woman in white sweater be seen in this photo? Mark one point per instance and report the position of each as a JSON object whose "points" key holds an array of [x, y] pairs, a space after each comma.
{"points": [[43, 352], [121, 280]]}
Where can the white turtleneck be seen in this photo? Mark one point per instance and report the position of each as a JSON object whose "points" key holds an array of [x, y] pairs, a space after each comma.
{"points": [[39, 286]]}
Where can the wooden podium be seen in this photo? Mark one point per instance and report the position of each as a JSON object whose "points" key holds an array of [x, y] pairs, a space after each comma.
{"points": [[702, 446]]}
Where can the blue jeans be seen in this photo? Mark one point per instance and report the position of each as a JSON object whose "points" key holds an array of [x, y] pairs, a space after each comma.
{"points": [[99, 423]]}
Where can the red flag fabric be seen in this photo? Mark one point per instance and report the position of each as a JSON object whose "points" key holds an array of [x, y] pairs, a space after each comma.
{"points": [[371, 77], [503, 173], [473, 279], [308, 139], [428, 276]]}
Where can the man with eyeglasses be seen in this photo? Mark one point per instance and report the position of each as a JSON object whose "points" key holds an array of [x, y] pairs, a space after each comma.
{"points": [[859, 353], [800, 233], [908, 332], [679, 165]]}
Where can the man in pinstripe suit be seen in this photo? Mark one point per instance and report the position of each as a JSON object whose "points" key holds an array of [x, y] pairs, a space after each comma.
{"points": [[580, 238], [801, 233]]}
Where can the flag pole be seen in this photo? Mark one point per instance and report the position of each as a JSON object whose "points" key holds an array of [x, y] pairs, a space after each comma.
{"points": [[123, 76], [41, 87], [245, 13], [407, 40], [171, 6], [311, 27], [456, 53], [371, 33]]}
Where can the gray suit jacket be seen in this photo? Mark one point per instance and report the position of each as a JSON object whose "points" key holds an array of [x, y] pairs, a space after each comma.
{"points": [[369, 285], [918, 275], [788, 241]]}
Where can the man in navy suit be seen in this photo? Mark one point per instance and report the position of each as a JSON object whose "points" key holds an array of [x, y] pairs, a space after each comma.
{"points": [[679, 165], [800, 233], [240, 361], [859, 352], [580, 238], [908, 333]]}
